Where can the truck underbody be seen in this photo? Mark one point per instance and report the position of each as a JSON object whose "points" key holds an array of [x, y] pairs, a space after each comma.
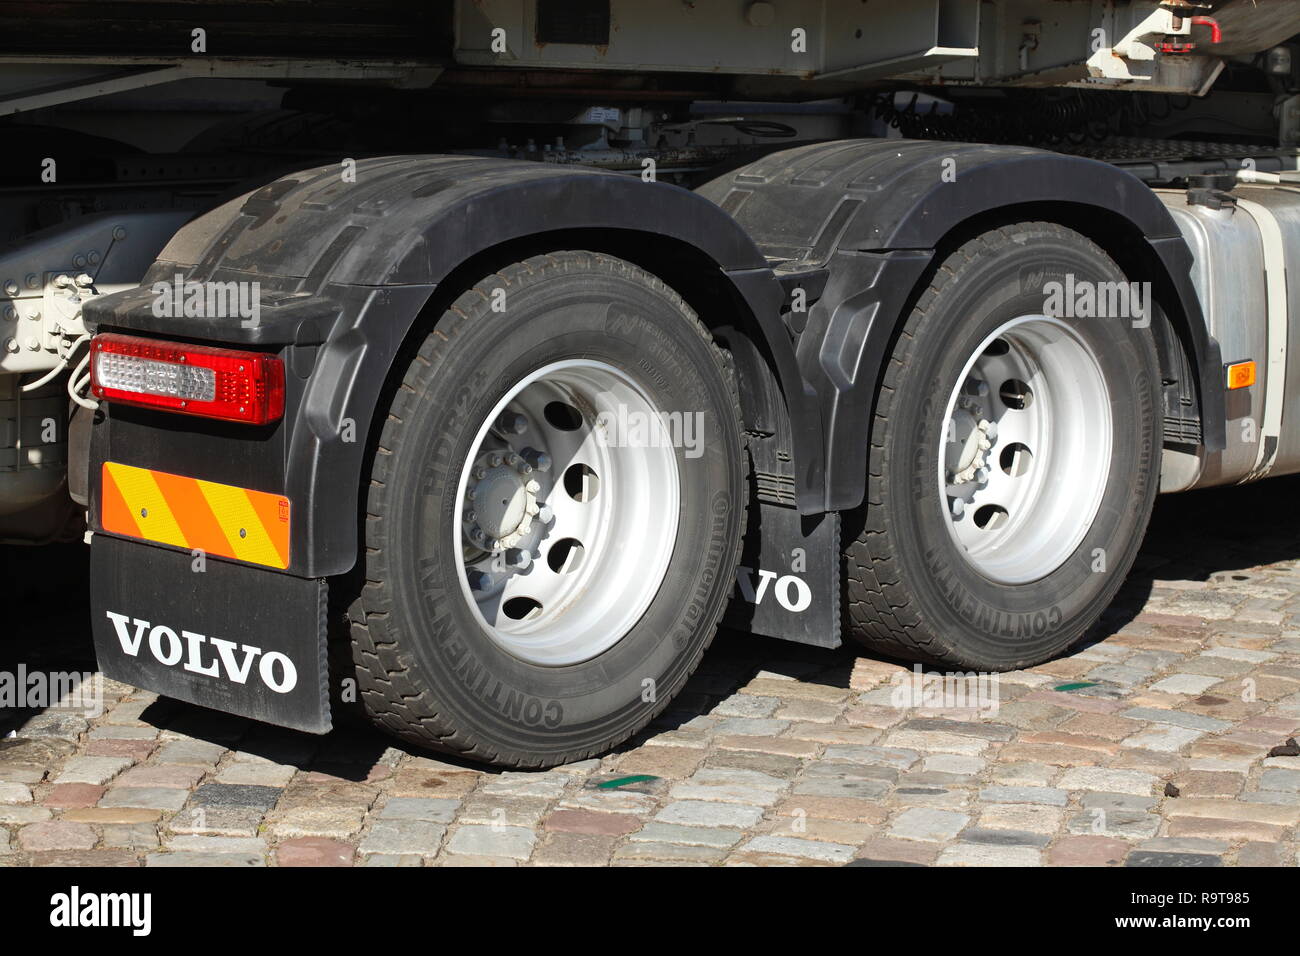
{"points": [[895, 316]]}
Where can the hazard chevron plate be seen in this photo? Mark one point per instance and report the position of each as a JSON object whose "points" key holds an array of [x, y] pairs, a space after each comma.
{"points": [[220, 520]]}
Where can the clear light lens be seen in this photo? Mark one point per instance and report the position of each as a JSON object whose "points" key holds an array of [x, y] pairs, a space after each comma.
{"points": [[133, 374]]}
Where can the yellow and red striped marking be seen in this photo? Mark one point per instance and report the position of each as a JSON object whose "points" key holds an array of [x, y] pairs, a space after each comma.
{"points": [[190, 513]]}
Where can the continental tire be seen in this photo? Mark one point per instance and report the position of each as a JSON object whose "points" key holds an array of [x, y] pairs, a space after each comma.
{"points": [[1014, 458], [554, 516]]}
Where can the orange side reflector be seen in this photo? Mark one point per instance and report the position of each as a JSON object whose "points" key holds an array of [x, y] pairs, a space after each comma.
{"points": [[198, 515], [1241, 375]]}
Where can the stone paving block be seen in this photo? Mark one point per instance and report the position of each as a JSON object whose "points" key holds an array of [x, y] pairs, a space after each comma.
{"points": [[69, 796], [752, 726], [888, 851], [855, 788], [130, 836], [427, 809], [1032, 818], [504, 810], [722, 793], [1120, 824], [800, 848], [979, 854], [935, 826], [549, 784], [574, 849], [245, 796], [1102, 778], [667, 853], [216, 844], [773, 765], [177, 776], [337, 823], [15, 793], [1048, 796], [387, 859], [200, 753], [401, 837], [19, 814], [57, 835], [149, 798], [1087, 851], [746, 705], [1147, 858], [708, 814], [204, 859], [1165, 739], [92, 770], [84, 858], [1005, 837], [658, 832], [516, 843], [1184, 684], [734, 777], [314, 851]]}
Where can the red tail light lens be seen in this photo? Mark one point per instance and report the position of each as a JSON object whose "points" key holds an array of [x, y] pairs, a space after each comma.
{"points": [[190, 379]]}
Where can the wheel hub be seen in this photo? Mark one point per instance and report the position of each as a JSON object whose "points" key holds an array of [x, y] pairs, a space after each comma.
{"points": [[1025, 453], [502, 501], [565, 533]]}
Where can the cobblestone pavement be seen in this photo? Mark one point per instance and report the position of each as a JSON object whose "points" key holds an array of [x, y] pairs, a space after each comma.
{"points": [[1149, 747]]}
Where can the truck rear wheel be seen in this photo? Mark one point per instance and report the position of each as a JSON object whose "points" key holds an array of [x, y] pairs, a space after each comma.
{"points": [[554, 516], [1014, 458]]}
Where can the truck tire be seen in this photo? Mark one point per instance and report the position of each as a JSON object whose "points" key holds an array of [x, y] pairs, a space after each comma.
{"points": [[545, 561], [1013, 462]]}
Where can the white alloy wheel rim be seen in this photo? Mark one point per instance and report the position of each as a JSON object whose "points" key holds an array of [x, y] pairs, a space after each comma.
{"points": [[565, 530], [1024, 455]]}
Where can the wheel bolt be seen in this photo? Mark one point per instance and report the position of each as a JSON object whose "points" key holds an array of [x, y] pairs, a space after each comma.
{"points": [[982, 477], [958, 507], [545, 514], [538, 459], [495, 460], [512, 423], [991, 429], [471, 515], [518, 558], [478, 581]]}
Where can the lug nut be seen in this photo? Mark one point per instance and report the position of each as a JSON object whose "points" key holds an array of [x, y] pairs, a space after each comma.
{"points": [[545, 514], [538, 459], [958, 507], [518, 558], [512, 423], [495, 460], [478, 581]]}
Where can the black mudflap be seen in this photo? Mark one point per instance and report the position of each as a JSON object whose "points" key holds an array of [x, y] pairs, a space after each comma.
{"points": [[233, 638], [788, 582]]}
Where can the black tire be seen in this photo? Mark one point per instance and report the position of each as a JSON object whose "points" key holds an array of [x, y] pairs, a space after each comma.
{"points": [[909, 591], [427, 670]]}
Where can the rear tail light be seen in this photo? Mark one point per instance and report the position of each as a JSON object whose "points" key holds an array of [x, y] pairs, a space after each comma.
{"points": [[191, 379]]}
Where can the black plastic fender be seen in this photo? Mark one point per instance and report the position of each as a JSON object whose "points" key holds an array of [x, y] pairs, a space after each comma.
{"points": [[872, 212], [344, 269]]}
